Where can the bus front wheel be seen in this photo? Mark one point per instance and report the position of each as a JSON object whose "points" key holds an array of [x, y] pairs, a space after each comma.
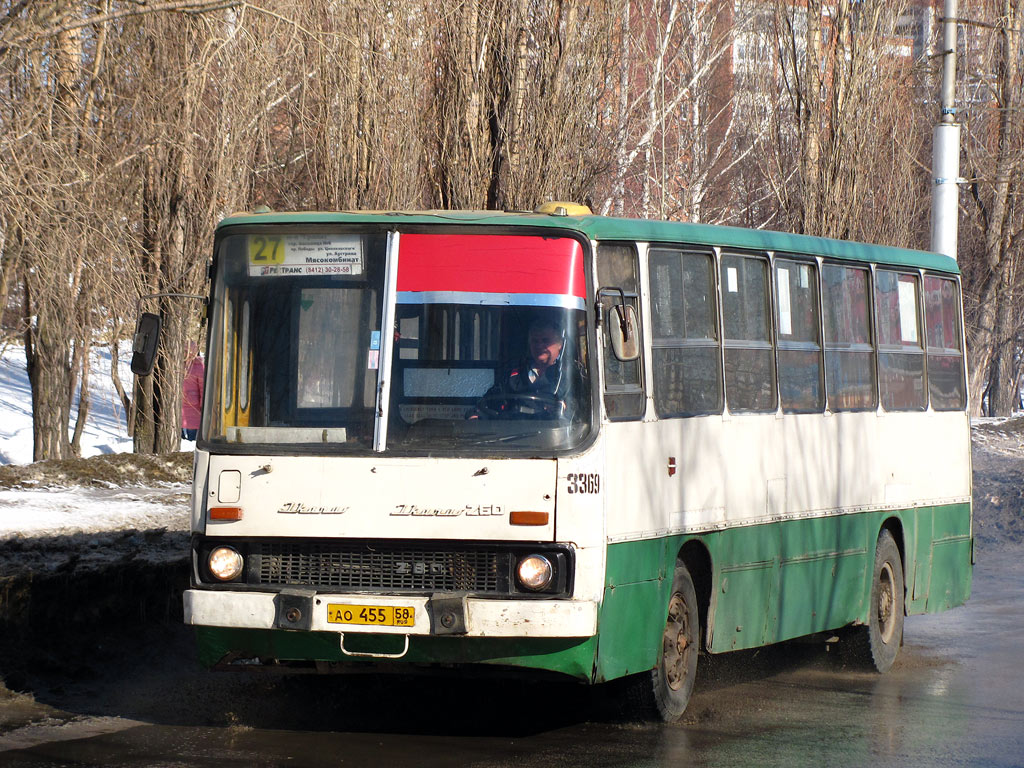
{"points": [[876, 644], [664, 692]]}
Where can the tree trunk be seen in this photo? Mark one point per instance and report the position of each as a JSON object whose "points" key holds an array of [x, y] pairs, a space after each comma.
{"points": [[48, 374], [115, 376], [83, 401], [142, 418], [987, 361], [49, 300], [810, 122], [617, 202]]}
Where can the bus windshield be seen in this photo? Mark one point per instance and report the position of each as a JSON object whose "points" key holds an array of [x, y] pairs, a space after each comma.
{"points": [[487, 352]]}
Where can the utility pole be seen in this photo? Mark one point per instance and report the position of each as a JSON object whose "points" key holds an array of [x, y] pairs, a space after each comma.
{"points": [[946, 145]]}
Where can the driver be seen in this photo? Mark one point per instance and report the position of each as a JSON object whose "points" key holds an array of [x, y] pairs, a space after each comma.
{"points": [[538, 386]]}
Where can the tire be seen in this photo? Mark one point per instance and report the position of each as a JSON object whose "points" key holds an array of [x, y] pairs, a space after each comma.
{"points": [[876, 644], [664, 692]]}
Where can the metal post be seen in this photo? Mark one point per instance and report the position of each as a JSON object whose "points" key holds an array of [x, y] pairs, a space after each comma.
{"points": [[946, 145]]}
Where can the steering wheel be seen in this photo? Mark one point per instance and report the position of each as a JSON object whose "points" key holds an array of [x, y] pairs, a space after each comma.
{"points": [[506, 405]]}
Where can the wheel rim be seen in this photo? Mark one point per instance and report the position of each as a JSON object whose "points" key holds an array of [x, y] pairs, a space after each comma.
{"points": [[886, 603], [676, 644]]}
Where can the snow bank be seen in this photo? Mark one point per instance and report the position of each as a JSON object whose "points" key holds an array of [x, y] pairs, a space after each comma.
{"points": [[105, 431], [62, 511], [34, 512]]}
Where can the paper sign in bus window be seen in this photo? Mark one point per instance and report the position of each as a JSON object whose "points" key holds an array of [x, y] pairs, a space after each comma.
{"points": [[785, 307], [732, 279], [805, 277], [908, 311]]}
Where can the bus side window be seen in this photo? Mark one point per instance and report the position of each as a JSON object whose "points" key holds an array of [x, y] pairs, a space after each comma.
{"points": [[230, 356], [900, 346], [945, 349], [624, 396], [749, 356], [849, 353], [687, 354], [799, 340]]}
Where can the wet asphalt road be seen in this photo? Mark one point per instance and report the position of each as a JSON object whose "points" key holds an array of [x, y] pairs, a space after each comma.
{"points": [[954, 698]]}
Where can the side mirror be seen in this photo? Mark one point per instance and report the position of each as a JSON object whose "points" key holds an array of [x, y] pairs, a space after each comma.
{"points": [[623, 332], [147, 336]]}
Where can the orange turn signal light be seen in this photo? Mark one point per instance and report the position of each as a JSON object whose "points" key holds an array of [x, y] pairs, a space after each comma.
{"points": [[523, 517], [225, 513]]}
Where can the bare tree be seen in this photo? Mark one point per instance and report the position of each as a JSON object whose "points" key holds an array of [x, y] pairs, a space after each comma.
{"points": [[994, 154], [347, 131], [54, 239], [682, 110], [204, 85], [847, 145], [127, 134], [128, 129], [518, 91]]}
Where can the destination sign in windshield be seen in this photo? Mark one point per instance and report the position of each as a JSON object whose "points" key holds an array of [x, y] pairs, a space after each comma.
{"points": [[287, 255]]}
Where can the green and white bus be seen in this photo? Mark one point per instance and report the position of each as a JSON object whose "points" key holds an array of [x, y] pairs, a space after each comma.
{"points": [[745, 437]]}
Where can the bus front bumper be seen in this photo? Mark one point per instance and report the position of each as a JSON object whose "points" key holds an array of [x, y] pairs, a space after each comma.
{"points": [[390, 614]]}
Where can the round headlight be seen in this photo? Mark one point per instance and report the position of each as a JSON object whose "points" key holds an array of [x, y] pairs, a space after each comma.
{"points": [[225, 563], [535, 572]]}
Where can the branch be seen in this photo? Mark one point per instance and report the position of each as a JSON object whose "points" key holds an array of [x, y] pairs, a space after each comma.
{"points": [[191, 6]]}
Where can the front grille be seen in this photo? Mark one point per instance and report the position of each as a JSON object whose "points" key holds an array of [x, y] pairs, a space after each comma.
{"points": [[372, 566]]}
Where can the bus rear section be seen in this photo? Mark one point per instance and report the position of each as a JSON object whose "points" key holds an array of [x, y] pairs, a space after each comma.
{"points": [[377, 477]]}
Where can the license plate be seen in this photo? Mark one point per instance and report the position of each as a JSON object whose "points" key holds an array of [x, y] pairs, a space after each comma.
{"points": [[377, 615]]}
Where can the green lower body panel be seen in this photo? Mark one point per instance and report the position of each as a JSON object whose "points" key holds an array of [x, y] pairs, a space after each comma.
{"points": [[568, 656], [760, 584], [629, 638], [950, 561], [634, 608], [782, 580]]}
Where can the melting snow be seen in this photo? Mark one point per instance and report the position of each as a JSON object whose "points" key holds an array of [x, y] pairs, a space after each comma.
{"points": [[53, 511]]}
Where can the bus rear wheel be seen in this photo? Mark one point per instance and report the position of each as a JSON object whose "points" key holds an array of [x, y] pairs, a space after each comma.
{"points": [[664, 692], [876, 644]]}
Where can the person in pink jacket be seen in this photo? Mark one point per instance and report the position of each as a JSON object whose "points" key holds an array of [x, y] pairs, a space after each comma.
{"points": [[192, 393]]}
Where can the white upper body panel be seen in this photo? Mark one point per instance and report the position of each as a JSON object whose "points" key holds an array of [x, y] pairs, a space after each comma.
{"points": [[373, 497]]}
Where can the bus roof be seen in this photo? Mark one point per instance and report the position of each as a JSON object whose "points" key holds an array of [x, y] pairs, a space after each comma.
{"points": [[609, 228]]}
